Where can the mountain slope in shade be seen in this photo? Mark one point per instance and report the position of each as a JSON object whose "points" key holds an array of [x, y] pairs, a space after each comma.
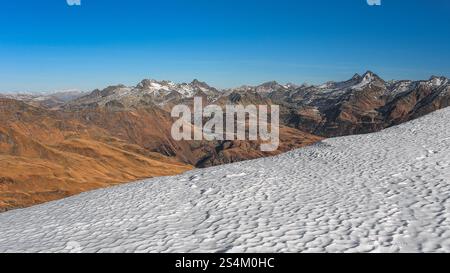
{"points": [[46, 156], [386, 191]]}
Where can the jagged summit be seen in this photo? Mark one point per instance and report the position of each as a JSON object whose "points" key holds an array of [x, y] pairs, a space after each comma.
{"points": [[438, 80], [356, 77], [199, 83], [269, 84], [370, 76]]}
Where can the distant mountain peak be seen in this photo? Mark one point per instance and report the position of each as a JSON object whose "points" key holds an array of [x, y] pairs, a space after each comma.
{"points": [[268, 87], [438, 80], [196, 81], [356, 77], [370, 76], [146, 83], [438, 77], [270, 84]]}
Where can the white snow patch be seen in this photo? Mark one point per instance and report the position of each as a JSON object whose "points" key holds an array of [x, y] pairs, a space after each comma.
{"points": [[365, 193], [236, 175], [368, 78]]}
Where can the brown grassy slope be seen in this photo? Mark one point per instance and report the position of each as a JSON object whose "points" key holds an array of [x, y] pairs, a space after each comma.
{"points": [[150, 128], [45, 156]]}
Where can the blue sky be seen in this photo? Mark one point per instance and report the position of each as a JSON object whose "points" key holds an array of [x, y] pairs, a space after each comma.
{"points": [[46, 45]]}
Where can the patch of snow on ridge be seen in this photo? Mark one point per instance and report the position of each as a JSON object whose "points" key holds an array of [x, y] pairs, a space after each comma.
{"points": [[388, 191], [401, 86], [186, 90], [438, 81], [367, 79]]}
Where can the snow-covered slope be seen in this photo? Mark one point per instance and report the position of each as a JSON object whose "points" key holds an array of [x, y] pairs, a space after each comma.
{"points": [[387, 191]]}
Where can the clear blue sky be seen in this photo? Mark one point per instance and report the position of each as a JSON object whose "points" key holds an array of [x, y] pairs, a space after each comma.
{"points": [[46, 45]]}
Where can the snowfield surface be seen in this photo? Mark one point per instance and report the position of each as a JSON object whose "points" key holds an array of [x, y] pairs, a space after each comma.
{"points": [[387, 191]]}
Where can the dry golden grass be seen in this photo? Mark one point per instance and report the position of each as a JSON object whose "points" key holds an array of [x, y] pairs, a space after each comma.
{"points": [[44, 157]]}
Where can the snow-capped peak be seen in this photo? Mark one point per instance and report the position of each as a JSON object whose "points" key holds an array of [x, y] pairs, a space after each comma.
{"points": [[155, 85], [368, 78], [438, 81]]}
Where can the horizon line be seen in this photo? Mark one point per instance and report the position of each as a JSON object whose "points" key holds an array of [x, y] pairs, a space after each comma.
{"points": [[49, 92]]}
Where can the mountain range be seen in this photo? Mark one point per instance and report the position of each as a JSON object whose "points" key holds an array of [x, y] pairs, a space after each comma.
{"points": [[56, 145]]}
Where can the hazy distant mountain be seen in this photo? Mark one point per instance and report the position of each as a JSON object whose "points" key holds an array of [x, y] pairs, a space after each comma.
{"points": [[50, 100]]}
